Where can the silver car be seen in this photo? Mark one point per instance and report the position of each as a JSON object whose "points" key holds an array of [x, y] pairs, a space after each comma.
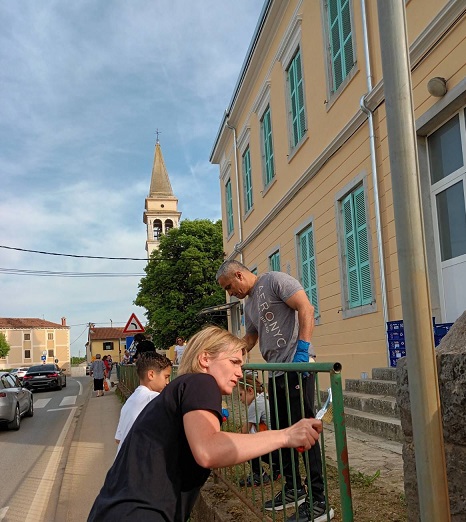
{"points": [[15, 401]]}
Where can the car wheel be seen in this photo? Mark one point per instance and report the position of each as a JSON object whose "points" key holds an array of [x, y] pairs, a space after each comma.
{"points": [[30, 412], [15, 423]]}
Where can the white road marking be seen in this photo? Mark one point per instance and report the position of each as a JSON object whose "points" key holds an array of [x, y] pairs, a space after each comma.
{"points": [[80, 388], [68, 401], [61, 409], [39, 503], [3, 512], [41, 403]]}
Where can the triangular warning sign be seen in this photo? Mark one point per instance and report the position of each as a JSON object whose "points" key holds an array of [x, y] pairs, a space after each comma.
{"points": [[133, 325]]}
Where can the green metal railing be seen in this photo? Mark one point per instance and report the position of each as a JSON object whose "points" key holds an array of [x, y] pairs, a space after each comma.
{"points": [[255, 497]]}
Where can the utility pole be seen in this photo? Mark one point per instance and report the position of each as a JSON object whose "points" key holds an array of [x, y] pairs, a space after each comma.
{"points": [[415, 298]]}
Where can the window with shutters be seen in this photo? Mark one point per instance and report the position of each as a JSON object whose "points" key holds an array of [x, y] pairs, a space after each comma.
{"points": [[267, 147], [340, 43], [247, 180], [274, 261], [359, 287], [307, 266], [229, 207], [294, 76]]}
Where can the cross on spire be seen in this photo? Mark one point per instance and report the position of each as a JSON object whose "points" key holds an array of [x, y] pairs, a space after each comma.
{"points": [[157, 132]]}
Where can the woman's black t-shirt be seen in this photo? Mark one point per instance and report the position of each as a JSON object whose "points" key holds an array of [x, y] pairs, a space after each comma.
{"points": [[155, 476]]}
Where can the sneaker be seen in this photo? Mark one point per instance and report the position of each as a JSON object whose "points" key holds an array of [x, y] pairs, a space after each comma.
{"points": [[319, 512], [255, 480], [291, 497], [276, 475]]}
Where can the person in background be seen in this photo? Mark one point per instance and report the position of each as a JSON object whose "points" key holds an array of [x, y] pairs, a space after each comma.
{"points": [[280, 316], [251, 394], [126, 358], [143, 345], [179, 349], [154, 372], [97, 371], [176, 440], [110, 367]]}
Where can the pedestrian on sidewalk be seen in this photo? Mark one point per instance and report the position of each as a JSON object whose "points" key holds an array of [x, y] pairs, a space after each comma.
{"points": [[176, 440], [97, 371], [154, 372], [280, 316]]}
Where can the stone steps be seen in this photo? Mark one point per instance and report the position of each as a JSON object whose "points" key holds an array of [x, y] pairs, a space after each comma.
{"points": [[370, 405]]}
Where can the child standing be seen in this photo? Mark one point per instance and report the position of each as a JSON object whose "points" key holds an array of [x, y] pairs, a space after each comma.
{"points": [[154, 372], [251, 394]]}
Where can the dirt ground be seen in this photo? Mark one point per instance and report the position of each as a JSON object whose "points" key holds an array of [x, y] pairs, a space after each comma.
{"points": [[372, 502]]}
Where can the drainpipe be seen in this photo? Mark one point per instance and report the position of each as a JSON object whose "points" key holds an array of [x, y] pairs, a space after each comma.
{"points": [[240, 228], [375, 183]]}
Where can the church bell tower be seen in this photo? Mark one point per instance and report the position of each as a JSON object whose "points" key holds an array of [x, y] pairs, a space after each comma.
{"points": [[161, 211]]}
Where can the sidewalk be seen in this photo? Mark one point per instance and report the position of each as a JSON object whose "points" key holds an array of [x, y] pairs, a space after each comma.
{"points": [[91, 454]]}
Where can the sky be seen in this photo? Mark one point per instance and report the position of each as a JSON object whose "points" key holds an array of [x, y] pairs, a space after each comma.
{"points": [[84, 86]]}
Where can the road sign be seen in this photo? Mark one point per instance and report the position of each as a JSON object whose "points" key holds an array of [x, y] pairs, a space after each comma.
{"points": [[43, 357], [133, 325], [44, 352]]}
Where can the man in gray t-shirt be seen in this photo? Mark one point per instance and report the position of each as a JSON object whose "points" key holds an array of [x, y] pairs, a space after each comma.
{"points": [[280, 316]]}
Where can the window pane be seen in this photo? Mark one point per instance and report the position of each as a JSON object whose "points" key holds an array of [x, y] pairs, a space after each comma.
{"points": [[452, 221], [445, 152]]}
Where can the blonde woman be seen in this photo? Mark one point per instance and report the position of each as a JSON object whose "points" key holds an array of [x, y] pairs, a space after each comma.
{"points": [[167, 455]]}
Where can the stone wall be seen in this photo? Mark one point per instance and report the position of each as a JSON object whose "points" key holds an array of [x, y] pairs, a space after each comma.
{"points": [[451, 366]]}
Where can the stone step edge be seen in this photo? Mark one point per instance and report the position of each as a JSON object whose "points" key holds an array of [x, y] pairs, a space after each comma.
{"points": [[374, 416]]}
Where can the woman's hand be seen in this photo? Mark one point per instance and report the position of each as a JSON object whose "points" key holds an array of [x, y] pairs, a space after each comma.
{"points": [[303, 434]]}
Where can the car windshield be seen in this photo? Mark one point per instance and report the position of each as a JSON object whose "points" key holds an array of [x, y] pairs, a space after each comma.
{"points": [[42, 368]]}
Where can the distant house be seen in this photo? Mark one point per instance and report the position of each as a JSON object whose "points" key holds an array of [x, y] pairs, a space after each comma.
{"points": [[33, 341], [106, 341]]}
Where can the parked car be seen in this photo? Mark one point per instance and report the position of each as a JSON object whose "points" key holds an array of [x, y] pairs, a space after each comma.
{"points": [[88, 368], [44, 376], [15, 401], [19, 372]]}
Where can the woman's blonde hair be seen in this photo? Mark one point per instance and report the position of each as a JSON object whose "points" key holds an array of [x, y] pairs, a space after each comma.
{"points": [[213, 341], [249, 380]]}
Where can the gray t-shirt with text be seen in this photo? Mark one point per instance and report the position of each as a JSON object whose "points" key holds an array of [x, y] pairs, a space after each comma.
{"points": [[267, 315]]}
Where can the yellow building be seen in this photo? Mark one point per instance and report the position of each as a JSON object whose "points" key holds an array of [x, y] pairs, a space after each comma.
{"points": [[34, 341], [305, 182], [106, 341]]}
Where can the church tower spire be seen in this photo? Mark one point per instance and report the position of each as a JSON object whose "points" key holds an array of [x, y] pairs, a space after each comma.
{"points": [[161, 213]]}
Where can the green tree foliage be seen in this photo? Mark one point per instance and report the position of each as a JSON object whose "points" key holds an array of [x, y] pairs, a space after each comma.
{"points": [[180, 282], [4, 346]]}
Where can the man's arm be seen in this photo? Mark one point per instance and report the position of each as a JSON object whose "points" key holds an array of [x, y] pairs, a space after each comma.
{"points": [[300, 302], [251, 340]]}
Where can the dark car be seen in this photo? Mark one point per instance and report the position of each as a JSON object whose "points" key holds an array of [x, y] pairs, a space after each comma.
{"points": [[44, 376], [15, 401]]}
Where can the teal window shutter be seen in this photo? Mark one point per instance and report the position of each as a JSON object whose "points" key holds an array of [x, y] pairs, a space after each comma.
{"points": [[340, 40], [274, 262], [296, 87], [357, 249], [267, 147], [363, 246], [308, 267], [247, 180], [229, 204]]}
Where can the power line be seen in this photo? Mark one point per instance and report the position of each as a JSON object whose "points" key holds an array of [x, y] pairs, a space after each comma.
{"points": [[74, 255], [48, 273]]}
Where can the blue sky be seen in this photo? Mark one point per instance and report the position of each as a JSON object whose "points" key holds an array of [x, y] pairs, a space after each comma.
{"points": [[83, 87]]}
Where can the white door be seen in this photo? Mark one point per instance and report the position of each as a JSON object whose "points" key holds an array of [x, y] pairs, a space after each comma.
{"points": [[447, 153]]}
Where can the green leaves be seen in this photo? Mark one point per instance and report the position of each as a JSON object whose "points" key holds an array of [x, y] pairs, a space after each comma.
{"points": [[180, 281], [4, 346]]}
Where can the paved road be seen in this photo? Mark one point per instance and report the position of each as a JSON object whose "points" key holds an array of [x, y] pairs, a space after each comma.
{"points": [[32, 457]]}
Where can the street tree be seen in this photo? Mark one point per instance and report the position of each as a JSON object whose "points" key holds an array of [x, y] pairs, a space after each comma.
{"points": [[4, 346], [180, 281]]}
